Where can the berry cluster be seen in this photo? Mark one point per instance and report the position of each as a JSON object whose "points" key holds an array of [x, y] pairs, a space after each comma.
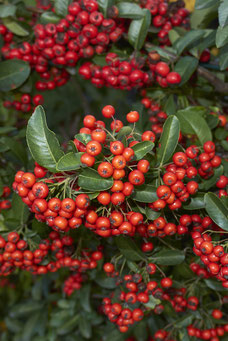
{"points": [[213, 257], [5, 204], [89, 261], [165, 16], [128, 74], [114, 158], [81, 34], [55, 252], [25, 104], [212, 334], [135, 297], [156, 115]]}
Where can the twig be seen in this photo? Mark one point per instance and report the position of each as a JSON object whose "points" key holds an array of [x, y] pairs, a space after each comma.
{"points": [[218, 84]]}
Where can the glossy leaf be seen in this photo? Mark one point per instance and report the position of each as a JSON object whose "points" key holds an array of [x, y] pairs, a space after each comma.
{"points": [[192, 122], [13, 73], [42, 142], [85, 328], [49, 17], [69, 161], [104, 281], [83, 138], [16, 148], [186, 66], [223, 13], [168, 140], [168, 257], [15, 27], [129, 10], [195, 203], [188, 40], [89, 179], [7, 10], [221, 36], [214, 284], [68, 326], [152, 215], [129, 249], [170, 106], [104, 5], [124, 132], [223, 57], [138, 30], [85, 297], [142, 148], [184, 321], [216, 210], [145, 193], [61, 7], [200, 4]]}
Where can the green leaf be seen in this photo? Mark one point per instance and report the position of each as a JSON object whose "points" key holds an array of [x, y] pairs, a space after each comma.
{"points": [[142, 148], [129, 249], [196, 203], [214, 284], [105, 282], [85, 327], [129, 10], [49, 17], [223, 57], [223, 13], [186, 66], [145, 193], [16, 148], [173, 37], [193, 123], [152, 215], [207, 184], [70, 161], [68, 326], [138, 30], [168, 257], [104, 5], [124, 132], [216, 210], [7, 10], [83, 138], [85, 297], [208, 40], [183, 335], [184, 321], [222, 36], [200, 4], [15, 27], [25, 308], [31, 326], [89, 179], [13, 73], [170, 106], [61, 7], [42, 142], [133, 266], [152, 302], [169, 139], [189, 39]]}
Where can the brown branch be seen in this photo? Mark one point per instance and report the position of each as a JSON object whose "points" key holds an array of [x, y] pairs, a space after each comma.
{"points": [[218, 84]]}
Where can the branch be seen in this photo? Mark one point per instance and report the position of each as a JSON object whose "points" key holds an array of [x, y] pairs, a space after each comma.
{"points": [[218, 84]]}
